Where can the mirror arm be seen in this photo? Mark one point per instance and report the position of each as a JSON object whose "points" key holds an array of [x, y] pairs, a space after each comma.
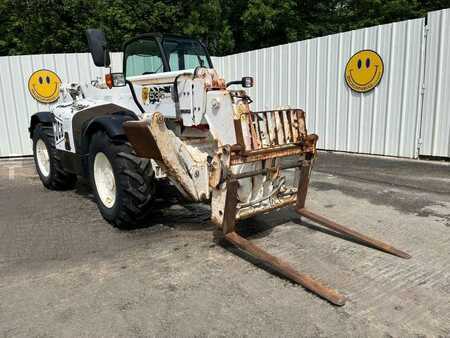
{"points": [[233, 82], [246, 82], [106, 56]]}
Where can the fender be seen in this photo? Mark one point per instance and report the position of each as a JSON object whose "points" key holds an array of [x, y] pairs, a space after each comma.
{"points": [[44, 117], [111, 124]]}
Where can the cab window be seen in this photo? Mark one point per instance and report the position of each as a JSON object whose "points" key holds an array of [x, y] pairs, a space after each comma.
{"points": [[185, 54]]}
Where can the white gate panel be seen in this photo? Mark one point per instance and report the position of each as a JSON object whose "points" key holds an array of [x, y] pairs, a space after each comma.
{"points": [[436, 108], [310, 75]]}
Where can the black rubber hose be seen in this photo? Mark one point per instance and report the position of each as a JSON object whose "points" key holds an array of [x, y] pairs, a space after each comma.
{"points": [[133, 94]]}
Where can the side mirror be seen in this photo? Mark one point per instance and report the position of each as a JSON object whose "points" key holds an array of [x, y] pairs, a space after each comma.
{"points": [[246, 82], [98, 47]]}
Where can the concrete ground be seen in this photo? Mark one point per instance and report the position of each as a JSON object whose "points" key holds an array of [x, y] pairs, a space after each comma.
{"points": [[66, 272]]}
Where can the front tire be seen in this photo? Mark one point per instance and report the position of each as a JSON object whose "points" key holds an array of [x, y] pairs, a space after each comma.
{"points": [[48, 164], [123, 183]]}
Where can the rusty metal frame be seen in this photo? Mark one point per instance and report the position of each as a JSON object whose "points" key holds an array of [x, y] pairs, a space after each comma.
{"points": [[265, 154], [302, 144]]}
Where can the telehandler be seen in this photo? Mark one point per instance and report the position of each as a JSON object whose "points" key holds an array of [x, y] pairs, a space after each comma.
{"points": [[169, 116]]}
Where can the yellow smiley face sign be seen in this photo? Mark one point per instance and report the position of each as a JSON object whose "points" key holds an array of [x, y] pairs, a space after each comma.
{"points": [[44, 85], [364, 71]]}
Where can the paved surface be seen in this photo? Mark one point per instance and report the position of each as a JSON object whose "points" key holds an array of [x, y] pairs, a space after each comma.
{"points": [[66, 272]]}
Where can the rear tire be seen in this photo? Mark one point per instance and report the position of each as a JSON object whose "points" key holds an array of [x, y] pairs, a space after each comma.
{"points": [[123, 183], [47, 161]]}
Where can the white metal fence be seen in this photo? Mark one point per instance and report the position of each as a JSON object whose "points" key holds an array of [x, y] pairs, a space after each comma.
{"points": [[310, 75], [307, 74]]}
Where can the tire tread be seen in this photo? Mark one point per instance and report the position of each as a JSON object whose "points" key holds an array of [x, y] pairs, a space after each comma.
{"points": [[59, 178], [135, 183]]}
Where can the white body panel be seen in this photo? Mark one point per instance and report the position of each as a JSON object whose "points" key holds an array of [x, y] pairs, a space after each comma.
{"points": [[219, 115], [153, 92], [198, 104]]}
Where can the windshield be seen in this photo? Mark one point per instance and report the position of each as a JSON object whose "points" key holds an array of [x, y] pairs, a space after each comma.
{"points": [[143, 55], [185, 54]]}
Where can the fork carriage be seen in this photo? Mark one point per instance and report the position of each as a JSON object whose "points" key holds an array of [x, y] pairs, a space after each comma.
{"points": [[263, 140]]}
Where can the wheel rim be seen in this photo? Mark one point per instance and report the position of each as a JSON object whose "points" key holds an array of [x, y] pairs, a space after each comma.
{"points": [[104, 180], [43, 158]]}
